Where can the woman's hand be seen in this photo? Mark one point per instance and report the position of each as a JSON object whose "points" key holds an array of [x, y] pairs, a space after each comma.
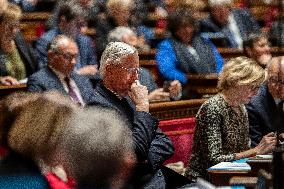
{"points": [[88, 70], [159, 94], [8, 80], [267, 144], [175, 90]]}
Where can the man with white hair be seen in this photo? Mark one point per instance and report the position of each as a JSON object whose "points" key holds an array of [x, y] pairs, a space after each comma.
{"points": [[231, 24], [120, 90], [265, 110], [126, 35], [59, 74]]}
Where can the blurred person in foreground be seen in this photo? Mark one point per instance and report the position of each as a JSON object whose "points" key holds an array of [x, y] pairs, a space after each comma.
{"points": [[126, 35], [54, 144], [17, 60], [222, 127], [265, 110], [257, 47], [120, 90]]}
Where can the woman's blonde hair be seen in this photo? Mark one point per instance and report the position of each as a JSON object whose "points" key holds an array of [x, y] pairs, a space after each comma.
{"points": [[241, 71], [11, 13]]}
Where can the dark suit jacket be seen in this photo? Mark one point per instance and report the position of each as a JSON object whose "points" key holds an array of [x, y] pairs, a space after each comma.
{"points": [[46, 80], [26, 53], [263, 115], [244, 20], [150, 144]]}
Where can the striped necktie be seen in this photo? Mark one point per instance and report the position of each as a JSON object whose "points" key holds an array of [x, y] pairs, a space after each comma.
{"points": [[71, 91]]}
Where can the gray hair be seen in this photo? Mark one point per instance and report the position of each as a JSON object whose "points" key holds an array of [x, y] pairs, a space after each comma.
{"points": [[95, 144], [118, 33], [59, 41], [113, 54], [70, 9], [212, 3], [112, 4]]}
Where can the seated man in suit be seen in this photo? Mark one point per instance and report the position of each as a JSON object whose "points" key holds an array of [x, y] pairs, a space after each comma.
{"points": [[120, 90], [232, 25], [70, 19], [265, 110], [59, 74]]}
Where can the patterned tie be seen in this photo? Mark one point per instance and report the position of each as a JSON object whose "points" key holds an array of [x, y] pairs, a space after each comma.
{"points": [[71, 91]]}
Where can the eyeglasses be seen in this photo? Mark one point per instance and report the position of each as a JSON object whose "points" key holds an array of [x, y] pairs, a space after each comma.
{"points": [[68, 56], [275, 81], [132, 70]]}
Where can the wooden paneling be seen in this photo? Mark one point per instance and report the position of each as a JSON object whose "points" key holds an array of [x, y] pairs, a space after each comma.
{"points": [[175, 109], [32, 24]]}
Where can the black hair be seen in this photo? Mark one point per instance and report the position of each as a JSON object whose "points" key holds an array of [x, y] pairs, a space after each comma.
{"points": [[181, 17]]}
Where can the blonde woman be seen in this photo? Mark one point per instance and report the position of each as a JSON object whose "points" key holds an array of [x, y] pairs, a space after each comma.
{"points": [[17, 59], [222, 129]]}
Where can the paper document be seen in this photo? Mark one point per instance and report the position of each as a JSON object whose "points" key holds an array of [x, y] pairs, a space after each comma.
{"points": [[231, 166]]}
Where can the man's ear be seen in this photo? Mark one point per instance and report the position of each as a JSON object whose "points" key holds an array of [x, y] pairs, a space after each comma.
{"points": [[62, 21], [248, 50]]}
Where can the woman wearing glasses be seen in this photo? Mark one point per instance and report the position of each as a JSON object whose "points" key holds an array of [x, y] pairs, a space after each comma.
{"points": [[222, 127], [16, 57]]}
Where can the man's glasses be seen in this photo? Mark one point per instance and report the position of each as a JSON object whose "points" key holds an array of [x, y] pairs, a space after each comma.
{"points": [[68, 56], [275, 81], [132, 70]]}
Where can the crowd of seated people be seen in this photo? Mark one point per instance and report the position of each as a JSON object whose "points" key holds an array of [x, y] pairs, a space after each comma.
{"points": [[40, 127]]}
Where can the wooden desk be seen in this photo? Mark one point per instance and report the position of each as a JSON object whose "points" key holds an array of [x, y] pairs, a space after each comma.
{"points": [[201, 85], [222, 178], [175, 109], [6, 90]]}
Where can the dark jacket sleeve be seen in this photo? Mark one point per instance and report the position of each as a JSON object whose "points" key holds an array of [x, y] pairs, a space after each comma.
{"points": [[144, 132], [161, 149], [254, 125], [33, 85], [150, 142]]}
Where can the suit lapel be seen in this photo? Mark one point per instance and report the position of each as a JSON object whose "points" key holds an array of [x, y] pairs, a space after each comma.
{"points": [[239, 23], [53, 82]]}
